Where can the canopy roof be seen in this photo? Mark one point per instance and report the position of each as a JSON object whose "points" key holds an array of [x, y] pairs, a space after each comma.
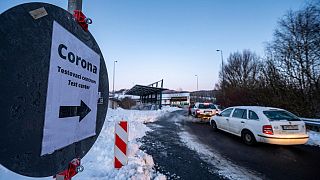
{"points": [[140, 90]]}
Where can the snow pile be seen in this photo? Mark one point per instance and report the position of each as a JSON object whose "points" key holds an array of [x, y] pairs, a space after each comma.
{"points": [[314, 138], [169, 109], [98, 163]]}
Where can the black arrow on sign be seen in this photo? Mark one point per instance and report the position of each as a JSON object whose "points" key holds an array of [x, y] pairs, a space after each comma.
{"points": [[71, 111]]}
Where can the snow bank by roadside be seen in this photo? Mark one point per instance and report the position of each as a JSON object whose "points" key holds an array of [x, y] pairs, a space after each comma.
{"points": [[314, 138], [98, 163]]}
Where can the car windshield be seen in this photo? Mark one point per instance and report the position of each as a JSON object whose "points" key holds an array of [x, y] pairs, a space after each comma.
{"points": [[277, 115], [206, 106]]}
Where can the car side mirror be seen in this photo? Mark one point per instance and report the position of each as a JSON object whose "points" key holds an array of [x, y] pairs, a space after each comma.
{"points": [[217, 114]]}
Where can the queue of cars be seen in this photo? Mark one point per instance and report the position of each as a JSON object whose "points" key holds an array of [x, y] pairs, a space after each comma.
{"points": [[255, 123]]}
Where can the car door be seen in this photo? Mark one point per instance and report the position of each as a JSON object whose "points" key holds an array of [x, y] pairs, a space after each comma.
{"points": [[237, 120], [223, 118], [253, 123]]}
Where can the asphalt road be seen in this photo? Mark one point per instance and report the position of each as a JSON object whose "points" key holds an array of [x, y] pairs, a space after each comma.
{"points": [[177, 161]]}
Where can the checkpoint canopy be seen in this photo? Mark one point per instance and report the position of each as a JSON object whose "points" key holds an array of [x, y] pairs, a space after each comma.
{"points": [[53, 75], [151, 94]]}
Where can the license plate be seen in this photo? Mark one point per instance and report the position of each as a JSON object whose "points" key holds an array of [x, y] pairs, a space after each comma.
{"points": [[290, 127]]}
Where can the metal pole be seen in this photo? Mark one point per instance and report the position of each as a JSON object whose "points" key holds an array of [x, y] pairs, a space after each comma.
{"points": [[222, 70], [74, 5], [221, 63], [222, 66], [114, 72], [197, 83]]}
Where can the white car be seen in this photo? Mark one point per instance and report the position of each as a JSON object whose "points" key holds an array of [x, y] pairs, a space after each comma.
{"points": [[204, 110], [261, 124]]}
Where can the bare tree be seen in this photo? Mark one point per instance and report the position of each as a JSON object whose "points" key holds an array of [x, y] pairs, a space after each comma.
{"points": [[289, 77], [241, 74], [295, 51], [241, 69]]}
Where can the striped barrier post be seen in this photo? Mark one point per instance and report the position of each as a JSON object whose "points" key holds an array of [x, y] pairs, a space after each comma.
{"points": [[121, 144]]}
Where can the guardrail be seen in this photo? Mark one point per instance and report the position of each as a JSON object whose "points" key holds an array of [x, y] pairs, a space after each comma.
{"points": [[312, 124]]}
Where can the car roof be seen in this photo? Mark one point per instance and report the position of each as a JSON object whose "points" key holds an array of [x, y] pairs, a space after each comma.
{"points": [[256, 108]]}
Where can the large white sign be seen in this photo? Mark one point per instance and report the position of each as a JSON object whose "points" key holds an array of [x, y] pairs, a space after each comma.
{"points": [[71, 106]]}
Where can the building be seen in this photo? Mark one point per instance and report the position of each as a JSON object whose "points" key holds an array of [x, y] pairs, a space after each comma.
{"points": [[203, 96], [175, 98]]}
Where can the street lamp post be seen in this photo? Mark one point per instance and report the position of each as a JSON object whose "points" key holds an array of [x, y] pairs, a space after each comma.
{"points": [[197, 82], [222, 71], [221, 64], [114, 72]]}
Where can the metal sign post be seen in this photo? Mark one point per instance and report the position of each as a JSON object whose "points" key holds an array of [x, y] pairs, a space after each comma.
{"points": [[74, 5]]}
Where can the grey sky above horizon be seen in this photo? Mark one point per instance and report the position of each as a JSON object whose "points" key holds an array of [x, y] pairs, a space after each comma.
{"points": [[175, 40]]}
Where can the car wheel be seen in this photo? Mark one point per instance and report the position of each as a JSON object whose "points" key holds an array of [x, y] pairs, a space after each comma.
{"points": [[214, 126], [248, 138]]}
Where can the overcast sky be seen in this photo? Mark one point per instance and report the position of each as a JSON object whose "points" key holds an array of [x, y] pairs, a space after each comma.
{"points": [[175, 40]]}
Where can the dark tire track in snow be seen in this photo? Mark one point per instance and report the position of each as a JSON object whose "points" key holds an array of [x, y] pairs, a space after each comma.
{"points": [[172, 157]]}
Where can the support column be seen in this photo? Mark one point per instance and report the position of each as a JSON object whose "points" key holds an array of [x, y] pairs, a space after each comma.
{"points": [[160, 105]]}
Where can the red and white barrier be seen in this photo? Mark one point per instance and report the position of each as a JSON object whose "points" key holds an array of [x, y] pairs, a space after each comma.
{"points": [[121, 144], [73, 168]]}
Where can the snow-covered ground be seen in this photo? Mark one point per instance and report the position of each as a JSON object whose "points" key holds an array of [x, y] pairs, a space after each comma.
{"points": [[314, 138], [98, 163]]}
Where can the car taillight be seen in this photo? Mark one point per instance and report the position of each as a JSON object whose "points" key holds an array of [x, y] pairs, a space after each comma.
{"points": [[267, 129]]}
